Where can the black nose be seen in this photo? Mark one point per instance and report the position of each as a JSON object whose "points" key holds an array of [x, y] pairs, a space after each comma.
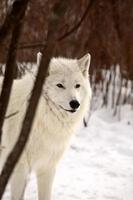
{"points": [[74, 104]]}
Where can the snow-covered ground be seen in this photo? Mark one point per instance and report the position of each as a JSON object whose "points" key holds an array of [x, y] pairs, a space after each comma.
{"points": [[99, 163]]}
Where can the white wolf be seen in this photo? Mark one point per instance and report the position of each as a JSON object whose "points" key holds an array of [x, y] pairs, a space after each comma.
{"points": [[64, 101]]}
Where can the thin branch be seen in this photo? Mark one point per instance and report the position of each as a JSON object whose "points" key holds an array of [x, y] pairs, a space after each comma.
{"points": [[32, 45], [11, 115], [11, 57], [14, 156], [73, 29]]}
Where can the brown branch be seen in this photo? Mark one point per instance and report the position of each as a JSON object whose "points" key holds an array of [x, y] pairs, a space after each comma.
{"points": [[11, 57], [73, 29], [14, 156], [32, 45]]}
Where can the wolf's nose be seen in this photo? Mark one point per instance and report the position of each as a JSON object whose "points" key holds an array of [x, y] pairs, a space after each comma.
{"points": [[74, 104]]}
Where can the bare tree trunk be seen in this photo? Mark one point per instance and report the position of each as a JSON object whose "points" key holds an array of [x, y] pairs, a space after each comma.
{"points": [[11, 57], [14, 156]]}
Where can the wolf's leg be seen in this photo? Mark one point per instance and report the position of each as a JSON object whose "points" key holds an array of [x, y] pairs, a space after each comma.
{"points": [[18, 182], [45, 180]]}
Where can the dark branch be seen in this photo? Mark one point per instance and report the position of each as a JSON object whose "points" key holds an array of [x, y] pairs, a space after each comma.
{"points": [[32, 45], [11, 57], [9, 74], [11, 115], [79, 23]]}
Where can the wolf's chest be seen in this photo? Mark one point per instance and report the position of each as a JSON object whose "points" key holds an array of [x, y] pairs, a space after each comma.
{"points": [[45, 147]]}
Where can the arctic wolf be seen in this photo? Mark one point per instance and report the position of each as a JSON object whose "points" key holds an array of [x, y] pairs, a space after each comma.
{"points": [[64, 101]]}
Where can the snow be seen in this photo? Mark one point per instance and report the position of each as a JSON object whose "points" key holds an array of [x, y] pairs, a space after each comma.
{"points": [[99, 163]]}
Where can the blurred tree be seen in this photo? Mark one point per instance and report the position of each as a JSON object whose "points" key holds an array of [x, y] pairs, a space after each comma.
{"points": [[106, 32]]}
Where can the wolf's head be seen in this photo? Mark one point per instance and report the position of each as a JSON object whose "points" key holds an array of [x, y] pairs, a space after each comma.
{"points": [[67, 84]]}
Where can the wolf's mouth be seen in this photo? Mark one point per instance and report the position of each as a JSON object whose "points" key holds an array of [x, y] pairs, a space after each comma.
{"points": [[72, 111]]}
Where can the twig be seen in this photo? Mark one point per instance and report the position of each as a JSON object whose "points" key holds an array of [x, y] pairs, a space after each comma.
{"points": [[73, 29], [11, 115], [31, 45]]}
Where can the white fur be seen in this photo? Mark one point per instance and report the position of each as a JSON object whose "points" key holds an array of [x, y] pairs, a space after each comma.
{"points": [[53, 125]]}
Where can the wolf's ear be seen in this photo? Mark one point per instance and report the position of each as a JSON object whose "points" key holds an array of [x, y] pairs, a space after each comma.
{"points": [[84, 63], [39, 56]]}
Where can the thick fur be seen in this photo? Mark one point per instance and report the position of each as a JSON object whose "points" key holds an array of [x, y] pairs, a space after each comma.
{"points": [[54, 122]]}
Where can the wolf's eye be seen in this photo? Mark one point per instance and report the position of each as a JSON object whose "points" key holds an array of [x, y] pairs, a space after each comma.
{"points": [[60, 85], [77, 86]]}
